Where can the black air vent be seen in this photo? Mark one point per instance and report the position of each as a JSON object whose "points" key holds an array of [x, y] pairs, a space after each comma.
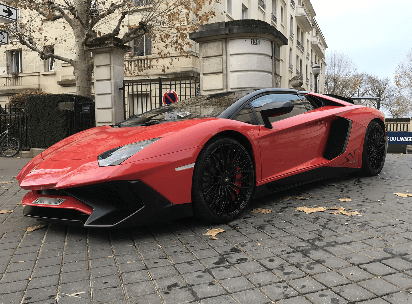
{"points": [[338, 138]]}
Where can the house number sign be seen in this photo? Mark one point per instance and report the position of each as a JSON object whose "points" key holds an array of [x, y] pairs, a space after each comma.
{"points": [[255, 41]]}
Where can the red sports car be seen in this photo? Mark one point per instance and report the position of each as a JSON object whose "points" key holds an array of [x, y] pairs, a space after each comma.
{"points": [[203, 156]]}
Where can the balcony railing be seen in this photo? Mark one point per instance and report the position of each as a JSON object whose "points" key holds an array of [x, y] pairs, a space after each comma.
{"points": [[291, 35], [133, 66], [307, 80], [274, 19], [307, 56], [292, 3], [13, 81], [300, 46], [262, 4], [290, 67]]}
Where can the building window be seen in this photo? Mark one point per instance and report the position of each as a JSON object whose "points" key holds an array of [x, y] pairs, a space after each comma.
{"points": [[244, 12], [143, 46], [14, 61], [262, 4], [229, 7], [281, 14], [274, 19], [49, 63]]}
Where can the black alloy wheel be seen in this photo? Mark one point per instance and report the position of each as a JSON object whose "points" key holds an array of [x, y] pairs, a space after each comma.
{"points": [[223, 181], [374, 149]]}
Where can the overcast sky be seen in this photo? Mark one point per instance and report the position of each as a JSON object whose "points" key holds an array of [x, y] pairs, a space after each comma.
{"points": [[375, 34]]}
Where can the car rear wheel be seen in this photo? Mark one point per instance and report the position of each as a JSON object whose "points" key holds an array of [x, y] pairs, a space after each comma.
{"points": [[223, 181], [374, 149]]}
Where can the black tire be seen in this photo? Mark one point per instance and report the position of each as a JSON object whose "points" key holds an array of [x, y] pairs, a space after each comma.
{"points": [[223, 181], [374, 149], [10, 146]]}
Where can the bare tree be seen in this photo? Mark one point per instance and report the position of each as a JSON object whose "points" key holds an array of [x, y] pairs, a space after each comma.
{"points": [[380, 88], [400, 106], [80, 22], [341, 75], [403, 76]]}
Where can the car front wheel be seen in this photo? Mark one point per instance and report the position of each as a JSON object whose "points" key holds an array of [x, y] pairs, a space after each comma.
{"points": [[223, 181]]}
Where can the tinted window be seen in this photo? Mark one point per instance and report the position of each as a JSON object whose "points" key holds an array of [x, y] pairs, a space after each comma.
{"points": [[301, 105], [245, 115]]}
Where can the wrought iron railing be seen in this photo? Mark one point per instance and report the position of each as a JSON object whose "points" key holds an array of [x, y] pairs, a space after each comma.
{"points": [[274, 19], [292, 3], [262, 4], [300, 46], [146, 94], [290, 67]]}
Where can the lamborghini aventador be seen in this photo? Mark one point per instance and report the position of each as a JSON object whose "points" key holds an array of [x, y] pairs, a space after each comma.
{"points": [[204, 156]]}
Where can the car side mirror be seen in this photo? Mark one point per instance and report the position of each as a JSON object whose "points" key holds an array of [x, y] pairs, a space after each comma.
{"points": [[274, 109]]}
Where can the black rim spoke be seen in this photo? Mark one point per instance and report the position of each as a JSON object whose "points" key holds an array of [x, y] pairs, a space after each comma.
{"points": [[376, 147], [227, 180]]}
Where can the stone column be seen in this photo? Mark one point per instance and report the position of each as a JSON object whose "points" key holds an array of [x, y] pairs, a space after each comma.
{"points": [[238, 55], [108, 57]]}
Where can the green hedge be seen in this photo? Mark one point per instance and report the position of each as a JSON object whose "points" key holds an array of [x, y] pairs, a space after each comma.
{"points": [[47, 124]]}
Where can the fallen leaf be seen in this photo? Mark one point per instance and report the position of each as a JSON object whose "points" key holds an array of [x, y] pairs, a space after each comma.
{"points": [[5, 211], [345, 199], [287, 198], [261, 210], [7, 182], [341, 210], [301, 198], [338, 210], [30, 229], [129, 262], [312, 196], [309, 210], [214, 232], [403, 194], [76, 294]]}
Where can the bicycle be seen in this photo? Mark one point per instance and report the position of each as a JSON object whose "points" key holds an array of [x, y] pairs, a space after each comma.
{"points": [[9, 145]]}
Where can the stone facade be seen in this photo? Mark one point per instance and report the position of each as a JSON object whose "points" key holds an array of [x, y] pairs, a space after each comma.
{"points": [[294, 19]]}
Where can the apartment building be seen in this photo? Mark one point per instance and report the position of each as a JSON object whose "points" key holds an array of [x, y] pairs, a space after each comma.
{"points": [[295, 20], [22, 69]]}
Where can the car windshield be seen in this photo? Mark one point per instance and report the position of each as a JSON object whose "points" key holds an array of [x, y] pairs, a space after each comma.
{"points": [[195, 107]]}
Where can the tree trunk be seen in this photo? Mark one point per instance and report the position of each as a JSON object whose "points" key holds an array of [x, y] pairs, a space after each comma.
{"points": [[83, 61], [83, 69]]}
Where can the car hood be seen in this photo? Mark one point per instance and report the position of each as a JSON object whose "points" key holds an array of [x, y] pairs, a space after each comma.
{"points": [[79, 152], [93, 142]]}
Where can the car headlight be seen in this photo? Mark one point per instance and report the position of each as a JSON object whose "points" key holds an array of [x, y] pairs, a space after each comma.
{"points": [[118, 155]]}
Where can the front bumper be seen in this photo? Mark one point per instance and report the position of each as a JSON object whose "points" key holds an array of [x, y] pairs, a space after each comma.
{"points": [[111, 204]]}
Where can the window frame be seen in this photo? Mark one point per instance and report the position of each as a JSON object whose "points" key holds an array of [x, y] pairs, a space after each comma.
{"points": [[258, 118]]}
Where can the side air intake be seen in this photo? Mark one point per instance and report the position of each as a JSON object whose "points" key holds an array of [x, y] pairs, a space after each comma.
{"points": [[338, 138]]}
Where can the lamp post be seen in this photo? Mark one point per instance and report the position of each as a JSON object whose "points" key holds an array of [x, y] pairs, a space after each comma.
{"points": [[316, 71]]}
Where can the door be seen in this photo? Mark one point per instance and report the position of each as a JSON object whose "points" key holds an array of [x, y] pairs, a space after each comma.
{"points": [[296, 140]]}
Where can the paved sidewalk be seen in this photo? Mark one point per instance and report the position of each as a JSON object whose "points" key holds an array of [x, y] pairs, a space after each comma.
{"points": [[284, 257]]}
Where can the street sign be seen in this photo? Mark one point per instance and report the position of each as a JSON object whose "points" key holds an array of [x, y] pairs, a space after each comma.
{"points": [[4, 37], [170, 97], [8, 13]]}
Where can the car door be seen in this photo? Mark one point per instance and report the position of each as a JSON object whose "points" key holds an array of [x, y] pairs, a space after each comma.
{"points": [[296, 140]]}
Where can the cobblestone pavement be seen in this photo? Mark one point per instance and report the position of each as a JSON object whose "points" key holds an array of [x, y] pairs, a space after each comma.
{"points": [[284, 257]]}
